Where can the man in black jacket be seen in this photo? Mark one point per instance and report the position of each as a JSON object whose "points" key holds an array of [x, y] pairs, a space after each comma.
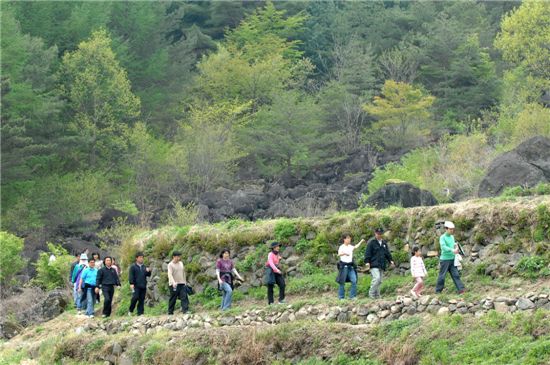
{"points": [[138, 283], [107, 278], [376, 255]]}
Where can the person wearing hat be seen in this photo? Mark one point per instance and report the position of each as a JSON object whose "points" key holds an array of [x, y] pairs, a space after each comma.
{"points": [[447, 259], [75, 278], [75, 262], [177, 281], [376, 255], [274, 275], [226, 273], [137, 276]]}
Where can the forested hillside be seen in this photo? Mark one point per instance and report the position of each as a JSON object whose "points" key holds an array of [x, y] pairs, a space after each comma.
{"points": [[132, 105]]}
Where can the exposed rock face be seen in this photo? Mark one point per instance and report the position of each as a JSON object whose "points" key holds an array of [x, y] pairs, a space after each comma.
{"points": [[401, 194], [275, 199], [527, 165], [33, 306]]}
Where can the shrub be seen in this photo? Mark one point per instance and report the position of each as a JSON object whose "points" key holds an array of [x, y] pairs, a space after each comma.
{"points": [[253, 260], [284, 229], [542, 230], [302, 245], [11, 261], [54, 274], [126, 206], [457, 163], [533, 267], [181, 215], [308, 268], [400, 256]]}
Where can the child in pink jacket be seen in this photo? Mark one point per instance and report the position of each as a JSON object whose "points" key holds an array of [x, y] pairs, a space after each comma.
{"points": [[418, 272]]}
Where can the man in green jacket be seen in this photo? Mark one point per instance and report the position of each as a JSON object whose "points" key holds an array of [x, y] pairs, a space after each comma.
{"points": [[447, 259]]}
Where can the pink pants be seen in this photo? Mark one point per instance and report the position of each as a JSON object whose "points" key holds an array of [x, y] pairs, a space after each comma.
{"points": [[419, 285]]}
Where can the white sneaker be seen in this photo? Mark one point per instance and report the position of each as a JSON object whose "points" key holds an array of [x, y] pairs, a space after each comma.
{"points": [[414, 295], [91, 316]]}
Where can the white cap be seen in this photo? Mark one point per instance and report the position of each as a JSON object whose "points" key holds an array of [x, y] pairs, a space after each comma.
{"points": [[84, 257], [448, 224]]}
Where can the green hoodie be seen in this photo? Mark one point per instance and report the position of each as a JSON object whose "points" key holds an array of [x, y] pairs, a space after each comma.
{"points": [[447, 243]]}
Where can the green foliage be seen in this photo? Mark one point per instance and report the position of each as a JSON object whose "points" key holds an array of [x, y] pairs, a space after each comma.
{"points": [[515, 191], [284, 229], [533, 267], [308, 268], [524, 37], [182, 215], [126, 206], [101, 103], [403, 114], [455, 164], [56, 199], [400, 256], [11, 261], [285, 137], [253, 260], [207, 144], [542, 229], [53, 274]]}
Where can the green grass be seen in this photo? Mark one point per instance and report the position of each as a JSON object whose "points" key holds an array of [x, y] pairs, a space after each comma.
{"points": [[519, 338]]}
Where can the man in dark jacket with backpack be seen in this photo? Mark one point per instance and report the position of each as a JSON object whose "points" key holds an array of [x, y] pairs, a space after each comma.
{"points": [[107, 279], [376, 255], [137, 277]]}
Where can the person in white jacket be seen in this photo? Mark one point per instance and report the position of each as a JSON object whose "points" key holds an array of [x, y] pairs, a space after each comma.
{"points": [[418, 272]]}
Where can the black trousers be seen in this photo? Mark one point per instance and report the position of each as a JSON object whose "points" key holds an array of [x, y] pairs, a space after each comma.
{"points": [[108, 292], [138, 297], [180, 293], [280, 281]]}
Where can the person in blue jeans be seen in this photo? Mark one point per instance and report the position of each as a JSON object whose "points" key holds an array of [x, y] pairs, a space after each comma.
{"points": [[226, 272], [88, 281], [346, 267], [75, 277]]}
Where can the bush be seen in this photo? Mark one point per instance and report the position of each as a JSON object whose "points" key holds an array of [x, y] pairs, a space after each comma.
{"points": [[126, 206], [11, 261], [457, 163], [54, 274], [253, 260], [57, 199], [400, 256], [515, 191], [542, 230], [533, 267], [284, 229], [181, 215], [302, 245]]}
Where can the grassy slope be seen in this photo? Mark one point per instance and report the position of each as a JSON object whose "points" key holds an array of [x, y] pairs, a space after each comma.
{"points": [[522, 338], [519, 338]]}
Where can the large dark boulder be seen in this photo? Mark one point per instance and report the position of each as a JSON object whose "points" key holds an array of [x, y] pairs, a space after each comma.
{"points": [[401, 194], [526, 165]]}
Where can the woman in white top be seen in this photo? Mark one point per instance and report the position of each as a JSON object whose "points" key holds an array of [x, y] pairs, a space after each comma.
{"points": [[346, 266]]}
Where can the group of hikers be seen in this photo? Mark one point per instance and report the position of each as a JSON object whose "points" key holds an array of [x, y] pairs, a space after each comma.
{"points": [[92, 276]]}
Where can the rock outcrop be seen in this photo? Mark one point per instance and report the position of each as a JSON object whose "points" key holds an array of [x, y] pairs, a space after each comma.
{"points": [[526, 165], [401, 194]]}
